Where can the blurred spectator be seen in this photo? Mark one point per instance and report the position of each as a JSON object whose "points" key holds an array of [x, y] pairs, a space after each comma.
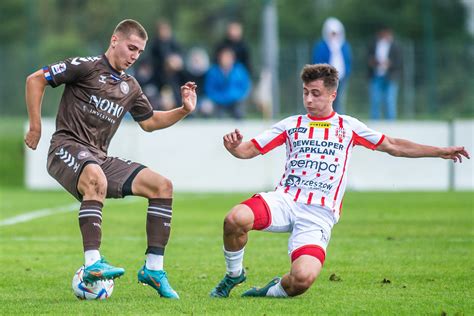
{"points": [[384, 70], [333, 49], [227, 84], [197, 65], [168, 66], [143, 72], [234, 40]]}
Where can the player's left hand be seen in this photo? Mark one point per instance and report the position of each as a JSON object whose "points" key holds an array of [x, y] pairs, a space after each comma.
{"points": [[188, 96], [455, 153]]}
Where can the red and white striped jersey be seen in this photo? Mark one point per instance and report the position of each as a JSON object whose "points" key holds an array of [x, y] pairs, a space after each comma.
{"points": [[318, 152]]}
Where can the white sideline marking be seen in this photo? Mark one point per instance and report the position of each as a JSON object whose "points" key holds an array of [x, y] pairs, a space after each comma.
{"points": [[26, 217]]}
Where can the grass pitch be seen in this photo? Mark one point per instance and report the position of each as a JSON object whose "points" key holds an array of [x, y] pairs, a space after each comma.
{"points": [[391, 253]]}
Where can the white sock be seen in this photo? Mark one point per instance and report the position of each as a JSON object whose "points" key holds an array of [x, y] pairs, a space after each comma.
{"points": [[154, 262], [90, 257], [277, 291], [233, 262]]}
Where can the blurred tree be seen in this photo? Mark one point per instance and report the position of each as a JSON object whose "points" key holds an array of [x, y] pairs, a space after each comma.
{"points": [[37, 32]]}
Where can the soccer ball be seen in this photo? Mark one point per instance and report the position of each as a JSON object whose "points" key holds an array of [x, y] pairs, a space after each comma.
{"points": [[99, 290]]}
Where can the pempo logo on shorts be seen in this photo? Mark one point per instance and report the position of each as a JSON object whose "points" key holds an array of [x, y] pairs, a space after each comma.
{"points": [[58, 68], [83, 154], [340, 133], [292, 181]]}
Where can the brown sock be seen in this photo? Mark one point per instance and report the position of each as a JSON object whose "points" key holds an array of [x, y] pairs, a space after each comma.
{"points": [[158, 225], [90, 220]]}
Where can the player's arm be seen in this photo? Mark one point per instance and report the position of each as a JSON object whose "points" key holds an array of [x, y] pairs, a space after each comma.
{"points": [[34, 91], [243, 150], [164, 119], [404, 148]]}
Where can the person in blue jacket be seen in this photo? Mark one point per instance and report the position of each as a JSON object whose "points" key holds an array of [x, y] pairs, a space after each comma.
{"points": [[227, 84], [333, 49]]}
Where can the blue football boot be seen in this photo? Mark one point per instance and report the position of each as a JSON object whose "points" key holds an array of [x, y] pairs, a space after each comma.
{"points": [[101, 270], [158, 280]]}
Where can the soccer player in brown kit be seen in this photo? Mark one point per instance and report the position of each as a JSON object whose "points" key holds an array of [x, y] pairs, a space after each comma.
{"points": [[96, 97]]}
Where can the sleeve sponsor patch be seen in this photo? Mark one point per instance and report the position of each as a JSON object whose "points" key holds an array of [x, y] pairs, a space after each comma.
{"points": [[58, 68]]}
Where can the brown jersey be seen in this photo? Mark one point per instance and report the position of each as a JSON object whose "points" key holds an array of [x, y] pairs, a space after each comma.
{"points": [[94, 102]]}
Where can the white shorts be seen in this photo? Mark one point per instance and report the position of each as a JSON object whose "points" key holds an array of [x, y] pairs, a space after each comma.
{"points": [[307, 224]]}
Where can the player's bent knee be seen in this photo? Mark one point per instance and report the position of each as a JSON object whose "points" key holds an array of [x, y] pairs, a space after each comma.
{"points": [[93, 183], [240, 217], [302, 281], [164, 187]]}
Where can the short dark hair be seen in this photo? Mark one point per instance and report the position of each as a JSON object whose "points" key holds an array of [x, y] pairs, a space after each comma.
{"points": [[128, 27], [327, 73]]}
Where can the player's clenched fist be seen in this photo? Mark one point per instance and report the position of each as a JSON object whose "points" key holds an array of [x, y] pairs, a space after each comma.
{"points": [[32, 139], [233, 139]]}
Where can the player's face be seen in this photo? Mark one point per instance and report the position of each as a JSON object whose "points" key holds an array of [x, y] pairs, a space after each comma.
{"points": [[126, 50], [317, 98]]}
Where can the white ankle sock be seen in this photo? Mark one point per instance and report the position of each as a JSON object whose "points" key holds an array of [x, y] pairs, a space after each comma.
{"points": [[91, 256], [277, 291], [233, 262], [154, 262]]}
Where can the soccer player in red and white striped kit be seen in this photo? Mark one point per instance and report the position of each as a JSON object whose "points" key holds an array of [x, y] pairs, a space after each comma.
{"points": [[307, 201]]}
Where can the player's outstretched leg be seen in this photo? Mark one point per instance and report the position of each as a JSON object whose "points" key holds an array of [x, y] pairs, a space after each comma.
{"points": [[274, 285], [306, 266], [227, 284], [158, 280], [101, 270]]}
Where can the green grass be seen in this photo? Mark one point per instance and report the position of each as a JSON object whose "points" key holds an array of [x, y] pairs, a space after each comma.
{"points": [[11, 151], [421, 242]]}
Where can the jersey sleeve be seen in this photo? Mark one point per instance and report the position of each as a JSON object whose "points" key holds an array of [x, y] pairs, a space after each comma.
{"points": [[142, 108], [365, 136], [66, 71], [271, 138]]}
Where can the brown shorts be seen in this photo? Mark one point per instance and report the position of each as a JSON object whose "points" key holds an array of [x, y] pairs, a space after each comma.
{"points": [[66, 162]]}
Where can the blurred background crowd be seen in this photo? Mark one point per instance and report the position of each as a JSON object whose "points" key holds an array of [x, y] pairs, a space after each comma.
{"points": [[408, 59]]}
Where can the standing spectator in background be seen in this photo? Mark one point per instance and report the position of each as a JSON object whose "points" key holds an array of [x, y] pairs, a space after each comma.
{"points": [[333, 49], [227, 84], [197, 65], [384, 70], [166, 56], [234, 40]]}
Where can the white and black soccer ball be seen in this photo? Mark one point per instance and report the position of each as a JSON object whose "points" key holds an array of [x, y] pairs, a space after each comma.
{"points": [[99, 290]]}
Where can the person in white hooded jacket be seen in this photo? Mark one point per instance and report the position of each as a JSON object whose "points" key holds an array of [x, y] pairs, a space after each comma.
{"points": [[333, 49]]}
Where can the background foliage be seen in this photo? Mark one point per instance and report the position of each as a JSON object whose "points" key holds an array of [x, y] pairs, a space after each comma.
{"points": [[440, 50]]}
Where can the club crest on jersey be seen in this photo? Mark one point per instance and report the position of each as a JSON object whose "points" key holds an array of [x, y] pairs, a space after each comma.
{"points": [[124, 87], [340, 133]]}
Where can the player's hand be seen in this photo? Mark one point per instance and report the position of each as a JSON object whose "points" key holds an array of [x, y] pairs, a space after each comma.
{"points": [[188, 96], [32, 138], [233, 139], [455, 153]]}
